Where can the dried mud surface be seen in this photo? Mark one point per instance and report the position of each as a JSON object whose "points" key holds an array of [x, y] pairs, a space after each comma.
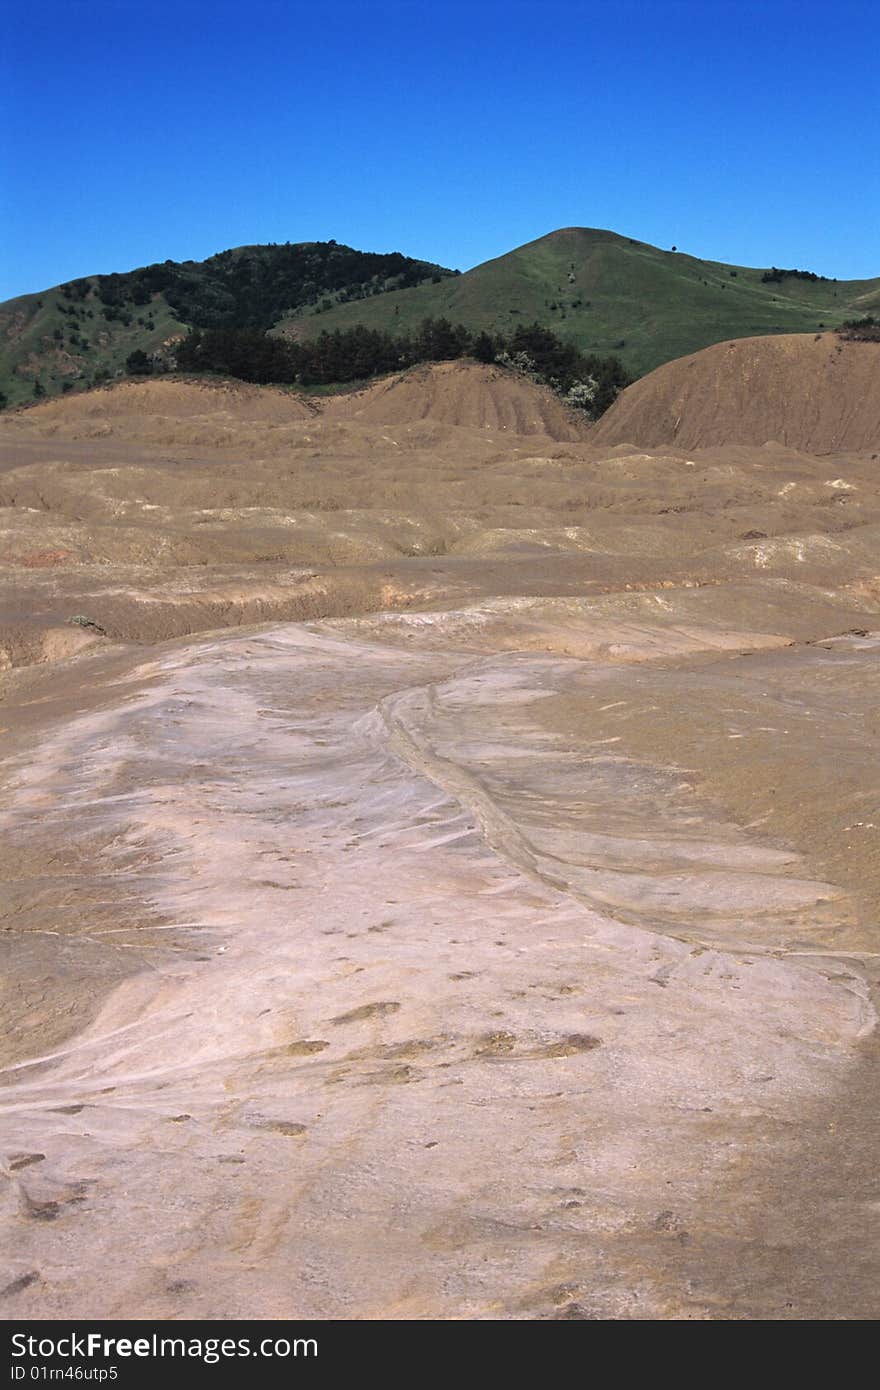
{"points": [[441, 866], [811, 391]]}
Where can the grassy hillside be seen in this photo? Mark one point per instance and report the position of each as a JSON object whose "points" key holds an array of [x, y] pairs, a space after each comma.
{"points": [[81, 333], [607, 293], [49, 342], [603, 292]]}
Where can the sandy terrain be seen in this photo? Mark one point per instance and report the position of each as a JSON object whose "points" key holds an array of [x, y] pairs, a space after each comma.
{"points": [[441, 863]]}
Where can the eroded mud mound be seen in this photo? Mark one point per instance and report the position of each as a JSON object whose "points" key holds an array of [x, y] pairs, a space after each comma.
{"points": [[811, 392], [169, 411], [462, 393], [184, 411]]}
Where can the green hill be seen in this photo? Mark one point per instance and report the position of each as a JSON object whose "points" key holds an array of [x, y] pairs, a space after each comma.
{"points": [[605, 293], [81, 333], [609, 294]]}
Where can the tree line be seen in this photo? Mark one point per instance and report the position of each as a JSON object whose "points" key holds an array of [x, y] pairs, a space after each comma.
{"points": [[588, 381]]}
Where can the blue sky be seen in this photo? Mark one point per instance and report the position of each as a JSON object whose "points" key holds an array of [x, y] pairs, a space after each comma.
{"points": [[132, 132]]}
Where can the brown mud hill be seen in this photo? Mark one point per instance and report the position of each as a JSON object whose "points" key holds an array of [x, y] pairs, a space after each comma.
{"points": [[169, 410], [462, 393], [810, 392], [174, 410]]}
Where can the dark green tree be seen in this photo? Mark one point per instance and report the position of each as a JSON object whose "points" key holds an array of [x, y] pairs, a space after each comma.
{"points": [[137, 363], [484, 348]]}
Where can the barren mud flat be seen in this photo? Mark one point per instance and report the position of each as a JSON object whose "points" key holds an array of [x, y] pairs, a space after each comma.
{"points": [[441, 865]]}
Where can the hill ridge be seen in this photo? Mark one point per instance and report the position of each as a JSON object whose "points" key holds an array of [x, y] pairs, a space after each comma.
{"points": [[605, 292]]}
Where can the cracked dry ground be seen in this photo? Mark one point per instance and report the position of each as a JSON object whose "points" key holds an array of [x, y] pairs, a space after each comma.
{"points": [[510, 957]]}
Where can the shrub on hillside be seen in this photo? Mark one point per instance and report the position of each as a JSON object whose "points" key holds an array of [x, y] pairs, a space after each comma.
{"points": [[866, 330], [137, 363], [775, 276]]}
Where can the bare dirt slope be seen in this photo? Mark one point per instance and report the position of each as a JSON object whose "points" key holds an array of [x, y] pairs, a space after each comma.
{"points": [[462, 393], [440, 870], [810, 392], [180, 411], [169, 411]]}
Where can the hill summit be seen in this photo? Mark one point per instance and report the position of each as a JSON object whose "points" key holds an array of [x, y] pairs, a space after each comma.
{"points": [[612, 294]]}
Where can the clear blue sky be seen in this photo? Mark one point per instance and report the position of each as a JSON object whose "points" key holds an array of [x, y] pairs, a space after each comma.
{"points": [[135, 131]]}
